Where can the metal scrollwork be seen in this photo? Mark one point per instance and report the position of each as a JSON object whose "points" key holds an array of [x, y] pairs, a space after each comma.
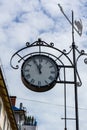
{"points": [[81, 53], [52, 44], [27, 44], [85, 60]]}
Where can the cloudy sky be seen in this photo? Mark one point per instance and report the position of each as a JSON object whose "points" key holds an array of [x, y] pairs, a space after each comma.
{"points": [[24, 21]]}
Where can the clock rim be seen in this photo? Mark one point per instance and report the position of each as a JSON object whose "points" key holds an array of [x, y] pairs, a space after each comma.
{"points": [[36, 88]]}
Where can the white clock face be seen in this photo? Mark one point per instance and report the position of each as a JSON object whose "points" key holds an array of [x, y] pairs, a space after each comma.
{"points": [[40, 71]]}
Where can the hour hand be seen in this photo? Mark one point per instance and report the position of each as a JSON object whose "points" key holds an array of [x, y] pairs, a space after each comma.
{"points": [[38, 67]]}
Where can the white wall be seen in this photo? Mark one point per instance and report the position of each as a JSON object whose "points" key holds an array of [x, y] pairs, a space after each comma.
{"points": [[27, 127]]}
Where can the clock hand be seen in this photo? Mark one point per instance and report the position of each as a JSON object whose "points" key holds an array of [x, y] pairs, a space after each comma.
{"points": [[38, 67]]}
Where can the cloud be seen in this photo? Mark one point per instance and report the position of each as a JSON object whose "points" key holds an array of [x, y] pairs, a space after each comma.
{"points": [[25, 21]]}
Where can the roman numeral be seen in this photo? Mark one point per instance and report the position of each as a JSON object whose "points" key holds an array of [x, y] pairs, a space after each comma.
{"points": [[51, 78], [52, 72], [50, 66], [32, 81], [39, 83], [26, 70], [29, 65], [46, 82], [27, 76], [40, 60]]}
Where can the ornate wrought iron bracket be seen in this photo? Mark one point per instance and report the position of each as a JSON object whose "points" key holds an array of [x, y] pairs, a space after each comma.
{"points": [[62, 58]]}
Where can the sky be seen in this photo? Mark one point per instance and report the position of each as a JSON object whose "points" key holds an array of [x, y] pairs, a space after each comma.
{"points": [[24, 21]]}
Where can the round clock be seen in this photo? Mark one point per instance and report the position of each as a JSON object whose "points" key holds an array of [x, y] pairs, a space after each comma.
{"points": [[39, 73]]}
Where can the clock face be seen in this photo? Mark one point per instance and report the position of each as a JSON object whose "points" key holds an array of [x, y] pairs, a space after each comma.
{"points": [[39, 73]]}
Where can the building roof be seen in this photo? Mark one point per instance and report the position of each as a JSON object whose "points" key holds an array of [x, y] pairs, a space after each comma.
{"points": [[15, 108], [18, 110], [6, 101]]}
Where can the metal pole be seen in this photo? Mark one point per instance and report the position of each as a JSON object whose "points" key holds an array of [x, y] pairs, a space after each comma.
{"points": [[65, 102], [75, 77]]}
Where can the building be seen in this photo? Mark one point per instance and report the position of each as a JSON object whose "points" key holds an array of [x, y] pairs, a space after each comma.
{"points": [[7, 118], [19, 113], [24, 122]]}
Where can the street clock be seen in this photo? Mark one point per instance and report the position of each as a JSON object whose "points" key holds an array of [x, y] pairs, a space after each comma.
{"points": [[39, 73]]}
